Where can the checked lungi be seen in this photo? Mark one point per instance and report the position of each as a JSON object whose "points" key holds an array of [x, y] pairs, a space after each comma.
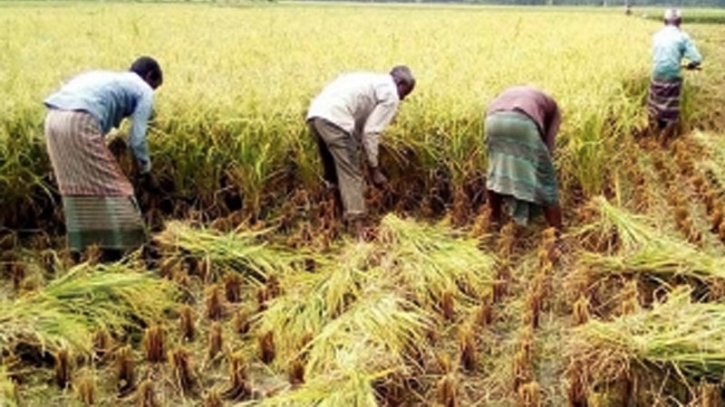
{"points": [[98, 201], [663, 102], [519, 165]]}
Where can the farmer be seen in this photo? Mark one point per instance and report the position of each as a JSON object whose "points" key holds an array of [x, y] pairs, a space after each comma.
{"points": [[98, 200], [670, 45], [351, 111], [521, 124]]}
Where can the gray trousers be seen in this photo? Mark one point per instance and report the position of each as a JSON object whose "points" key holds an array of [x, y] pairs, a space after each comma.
{"points": [[341, 162]]}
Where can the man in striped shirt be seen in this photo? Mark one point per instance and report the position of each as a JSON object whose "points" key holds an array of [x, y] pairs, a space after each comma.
{"points": [[351, 111]]}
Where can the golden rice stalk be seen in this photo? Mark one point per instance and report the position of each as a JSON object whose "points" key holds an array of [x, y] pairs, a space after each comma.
{"points": [[608, 228], [581, 310], [63, 367], [576, 393], [101, 343], [241, 251], [154, 343], [507, 241], [146, 396], [241, 322], [530, 395], [216, 340], [70, 308], [239, 388], [125, 370], [432, 260], [8, 389], [447, 393], [467, 345], [482, 223], [213, 399], [296, 372], [213, 303], [187, 323], [267, 351], [86, 390], [675, 333], [710, 395], [183, 372], [232, 287]]}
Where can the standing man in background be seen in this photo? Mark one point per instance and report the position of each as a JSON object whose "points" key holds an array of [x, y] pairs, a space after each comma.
{"points": [[98, 200], [351, 111], [670, 45]]}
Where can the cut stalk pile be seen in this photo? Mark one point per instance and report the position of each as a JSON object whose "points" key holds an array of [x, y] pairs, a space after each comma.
{"points": [[368, 311], [214, 253], [684, 337], [70, 308]]}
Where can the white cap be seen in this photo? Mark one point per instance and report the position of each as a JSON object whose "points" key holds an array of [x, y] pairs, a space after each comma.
{"points": [[672, 14]]}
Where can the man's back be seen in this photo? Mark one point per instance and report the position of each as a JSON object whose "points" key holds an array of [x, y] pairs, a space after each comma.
{"points": [[350, 99], [108, 96], [669, 46]]}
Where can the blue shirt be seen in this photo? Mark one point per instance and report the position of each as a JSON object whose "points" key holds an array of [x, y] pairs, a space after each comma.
{"points": [[110, 97], [670, 45]]}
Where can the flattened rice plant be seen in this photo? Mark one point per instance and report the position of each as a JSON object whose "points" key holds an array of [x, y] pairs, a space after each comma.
{"points": [[676, 334], [430, 261], [240, 251], [610, 228], [633, 243], [313, 299], [70, 308]]}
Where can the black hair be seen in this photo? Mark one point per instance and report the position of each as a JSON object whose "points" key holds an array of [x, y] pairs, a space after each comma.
{"points": [[147, 67], [403, 74]]}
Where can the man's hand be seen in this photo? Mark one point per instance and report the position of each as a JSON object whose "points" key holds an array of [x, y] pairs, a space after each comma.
{"points": [[149, 183], [693, 66], [377, 177]]}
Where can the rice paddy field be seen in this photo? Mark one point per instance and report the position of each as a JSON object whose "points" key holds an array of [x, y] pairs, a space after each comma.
{"points": [[251, 293]]}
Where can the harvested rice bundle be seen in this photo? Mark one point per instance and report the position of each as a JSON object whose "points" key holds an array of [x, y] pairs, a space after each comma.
{"points": [[610, 228], [675, 334], [672, 258], [241, 251], [431, 261], [313, 299], [70, 308], [382, 323]]}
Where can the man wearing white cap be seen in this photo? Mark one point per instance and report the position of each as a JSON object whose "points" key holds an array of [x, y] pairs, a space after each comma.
{"points": [[670, 45]]}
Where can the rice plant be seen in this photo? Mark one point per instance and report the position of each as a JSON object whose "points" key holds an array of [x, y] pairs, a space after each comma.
{"points": [[676, 334], [240, 251], [431, 261], [70, 308]]}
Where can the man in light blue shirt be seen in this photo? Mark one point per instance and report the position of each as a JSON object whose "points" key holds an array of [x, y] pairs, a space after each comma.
{"points": [[670, 46], [98, 199], [110, 97]]}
